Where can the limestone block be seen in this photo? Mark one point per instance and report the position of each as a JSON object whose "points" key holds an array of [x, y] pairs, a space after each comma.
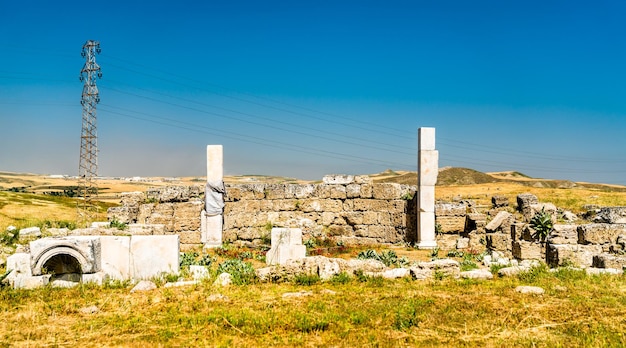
{"points": [[447, 241], [428, 167], [284, 205], [564, 234], [475, 221], [367, 190], [396, 273], [523, 250], [162, 214], [579, 255], [115, 257], [477, 274], [153, 255], [462, 243], [524, 202], [187, 216], [321, 191], [252, 191], [600, 233], [426, 199], [275, 191], [30, 232], [386, 191], [85, 249], [19, 265], [426, 138], [353, 218], [451, 224], [448, 267], [611, 215], [233, 193], [190, 237], [132, 199], [31, 282], [250, 233], [501, 222], [499, 241], [299, 191], [605, 260], [499, 201], [338, 179], [123, 214], [353, 191], [384, 218], [338, 192], [170, 194], [97, 278]]}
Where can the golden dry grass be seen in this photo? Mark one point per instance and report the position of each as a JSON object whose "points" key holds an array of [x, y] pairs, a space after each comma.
{"points": [[575, 311]]}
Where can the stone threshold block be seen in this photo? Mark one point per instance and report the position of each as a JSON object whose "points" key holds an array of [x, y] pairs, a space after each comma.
{"points": [[286, 245]]}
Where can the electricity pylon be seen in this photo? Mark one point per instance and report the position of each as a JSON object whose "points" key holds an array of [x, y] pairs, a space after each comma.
{"points": [[88, 164]]}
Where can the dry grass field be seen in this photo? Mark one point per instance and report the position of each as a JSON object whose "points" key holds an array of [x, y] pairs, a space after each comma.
{"points": [[576, 310]]}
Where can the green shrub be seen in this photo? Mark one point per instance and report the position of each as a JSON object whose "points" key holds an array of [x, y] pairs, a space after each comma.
{"points": [[542, 224], [241, 272], [307, 279], [340, 278], [388, 257], [119, 225]]}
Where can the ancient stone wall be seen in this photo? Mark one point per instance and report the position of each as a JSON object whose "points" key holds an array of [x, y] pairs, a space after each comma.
{"points": [[349, 208]]}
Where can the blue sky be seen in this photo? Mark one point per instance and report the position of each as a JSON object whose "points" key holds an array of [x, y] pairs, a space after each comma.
{"points": [[303, 89]]}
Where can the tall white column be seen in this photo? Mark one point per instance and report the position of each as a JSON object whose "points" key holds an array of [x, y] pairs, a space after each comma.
{"points": [[212, 216], [427, 168]]}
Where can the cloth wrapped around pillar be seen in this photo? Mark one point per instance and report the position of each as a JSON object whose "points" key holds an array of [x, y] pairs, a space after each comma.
{"points": [[214, 198]]}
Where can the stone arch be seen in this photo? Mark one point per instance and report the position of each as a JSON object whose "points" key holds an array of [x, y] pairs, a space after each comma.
{"points": [[57, 254]]}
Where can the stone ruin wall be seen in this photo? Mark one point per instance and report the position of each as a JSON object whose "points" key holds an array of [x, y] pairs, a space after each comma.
{"points": [[347, 208], [355, 210]]}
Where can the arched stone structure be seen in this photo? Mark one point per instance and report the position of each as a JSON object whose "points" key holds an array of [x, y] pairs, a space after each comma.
{"points": [[85, 251]]}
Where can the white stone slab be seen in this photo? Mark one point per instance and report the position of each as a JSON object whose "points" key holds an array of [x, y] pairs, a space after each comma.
{"points": [[31, 282], [211, 226], [426, 230], [212, 231], [115, 256], [426, 138], [428, 167], [286, 236], [426, 199], [152, 255], [282, 254], [214, 163]]}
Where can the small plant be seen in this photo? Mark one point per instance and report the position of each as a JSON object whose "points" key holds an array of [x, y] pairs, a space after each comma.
{"points": [[438, 229], [187, 259], [434, 254], [4, 276], [310, 243], [307, 279], [241, 272], [439, 275], [495, 267], [340, 278], [389, 257], [407, 196], [298, 205], [468, 265], [542, 224], [245, 255], [534, 273], [117, 224]]}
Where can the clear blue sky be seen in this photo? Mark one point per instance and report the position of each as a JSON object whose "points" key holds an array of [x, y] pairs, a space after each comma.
{"points": [[307, 88]]}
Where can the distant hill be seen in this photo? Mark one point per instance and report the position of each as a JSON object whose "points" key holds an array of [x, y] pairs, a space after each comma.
{"points": [[464, 176]]}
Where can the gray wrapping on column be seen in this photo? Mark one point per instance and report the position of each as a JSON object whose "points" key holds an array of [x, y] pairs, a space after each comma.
{"points": [[214, 197]]}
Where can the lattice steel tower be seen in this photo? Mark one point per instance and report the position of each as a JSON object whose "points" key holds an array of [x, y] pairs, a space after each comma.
{"points": [[88, 164]]}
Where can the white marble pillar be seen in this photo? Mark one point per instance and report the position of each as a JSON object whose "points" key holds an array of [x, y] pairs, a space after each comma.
{"points": [[428, 168], [211, 219]]}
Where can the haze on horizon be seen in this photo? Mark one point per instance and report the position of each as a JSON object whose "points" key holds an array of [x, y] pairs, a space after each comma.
{"points": [[312, 88]]}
